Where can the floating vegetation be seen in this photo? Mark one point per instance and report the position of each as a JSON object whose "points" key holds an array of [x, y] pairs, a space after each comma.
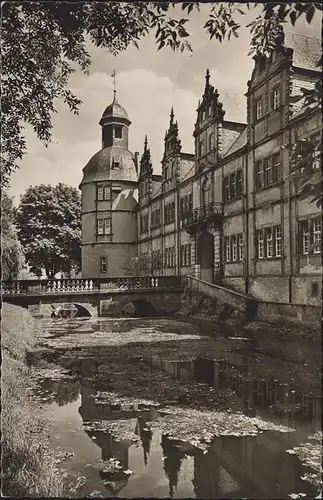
{"points": [[199, 428], [121, 429], [123, 403], [310, 454]]}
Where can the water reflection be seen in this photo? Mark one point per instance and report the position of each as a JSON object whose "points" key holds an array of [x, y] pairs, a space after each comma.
{"points": [[283, 402], [232, 466]]}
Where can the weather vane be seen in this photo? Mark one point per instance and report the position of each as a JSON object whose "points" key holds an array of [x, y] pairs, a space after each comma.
{"points": [[114, 81]]}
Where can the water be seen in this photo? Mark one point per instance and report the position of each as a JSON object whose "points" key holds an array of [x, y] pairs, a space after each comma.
{"points": [[132, 400]]}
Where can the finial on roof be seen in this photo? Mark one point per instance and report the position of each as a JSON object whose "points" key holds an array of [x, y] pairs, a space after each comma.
{"points": [[172, 115], [114, 85], [207, 78]]}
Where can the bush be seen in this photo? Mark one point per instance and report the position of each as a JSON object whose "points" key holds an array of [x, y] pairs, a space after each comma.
{"points": [[28, 465]]}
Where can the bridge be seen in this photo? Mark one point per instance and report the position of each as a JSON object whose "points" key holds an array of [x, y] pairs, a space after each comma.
{"points": [[138, 296]]}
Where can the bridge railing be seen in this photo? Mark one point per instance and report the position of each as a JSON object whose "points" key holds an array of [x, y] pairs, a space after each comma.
{"points": [[88, 285]]}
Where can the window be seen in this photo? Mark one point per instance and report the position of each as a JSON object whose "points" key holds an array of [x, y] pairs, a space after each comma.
{"points": [[107, 192], [259, 175], [211, 142], [144, 223], [268, 171], [186, 205], [203, 115], [100, 193], [170, 257], [233, 186], [156, 259], [269, 242], [273, 57], [305, 231], [104, 226], [233, 248], [278, 241], [210, 110], [276, 167], [276, 98], [315, 289], [227, 249], [240, 247], [169, 213], [115, 164], [201, 148], [118, 132], [310, 232], [103, 264], [206, 191], [239, 183], [317, 233], [260, 244], [185, 255], [259, 109], [155, 218], [100, 226], [316, 139]]}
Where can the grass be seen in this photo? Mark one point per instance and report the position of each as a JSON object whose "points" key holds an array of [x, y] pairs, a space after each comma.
{"points": [[28, 465]]}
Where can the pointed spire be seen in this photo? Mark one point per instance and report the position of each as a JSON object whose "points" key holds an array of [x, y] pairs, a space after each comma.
{"points": [[207, 79], [113, 76], [146, 143], [172, 115]]}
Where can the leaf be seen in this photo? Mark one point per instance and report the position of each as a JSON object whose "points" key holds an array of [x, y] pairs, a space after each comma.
{"points": [[310, 13]]}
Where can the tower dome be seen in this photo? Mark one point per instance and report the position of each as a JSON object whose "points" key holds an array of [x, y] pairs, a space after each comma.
{"points": [[115, 110], [114, 161]]}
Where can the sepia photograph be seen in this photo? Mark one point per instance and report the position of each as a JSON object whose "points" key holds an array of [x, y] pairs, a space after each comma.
{"points": [[161, 250]]}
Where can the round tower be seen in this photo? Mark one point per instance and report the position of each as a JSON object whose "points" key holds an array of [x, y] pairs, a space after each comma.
{"points": [[109, 200]]}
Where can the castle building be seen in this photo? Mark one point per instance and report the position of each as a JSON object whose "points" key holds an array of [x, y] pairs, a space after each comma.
{"points": [[229, 213], [109, 185]]}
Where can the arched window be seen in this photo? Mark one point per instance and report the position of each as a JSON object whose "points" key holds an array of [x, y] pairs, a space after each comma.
{"points": [[206, 191]]}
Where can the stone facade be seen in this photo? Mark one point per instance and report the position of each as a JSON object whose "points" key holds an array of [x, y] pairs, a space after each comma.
{"points": [[228, 213]]}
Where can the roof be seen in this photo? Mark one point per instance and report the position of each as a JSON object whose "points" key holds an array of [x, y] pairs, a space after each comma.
{"points": [[115, 110], [102, 166], [186, 166], [240, 141], [307, 50]]}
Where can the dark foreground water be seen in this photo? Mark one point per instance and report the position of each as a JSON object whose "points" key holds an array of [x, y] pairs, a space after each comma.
{"points": [[165, 408]]}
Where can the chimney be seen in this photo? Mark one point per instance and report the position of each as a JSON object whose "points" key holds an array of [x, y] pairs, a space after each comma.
{"points": [[137, 161]]}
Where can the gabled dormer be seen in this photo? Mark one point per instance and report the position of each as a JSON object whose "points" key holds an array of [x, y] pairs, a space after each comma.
{"points": [[208, 125], [172, 151], [145, 175]]}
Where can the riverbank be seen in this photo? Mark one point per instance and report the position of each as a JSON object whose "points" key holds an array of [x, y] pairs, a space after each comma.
{"points": [[198, 307], [28, 465]]}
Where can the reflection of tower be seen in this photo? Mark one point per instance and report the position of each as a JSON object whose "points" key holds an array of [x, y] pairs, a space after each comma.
{"points": [[172, 463], [206, 470], [144, 434]]}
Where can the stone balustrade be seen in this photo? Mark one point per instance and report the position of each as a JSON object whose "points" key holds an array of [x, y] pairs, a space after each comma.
{"points": [[58, 286]]}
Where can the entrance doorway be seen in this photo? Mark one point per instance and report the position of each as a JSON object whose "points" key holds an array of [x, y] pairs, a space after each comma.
{"points": [[206, 256]]}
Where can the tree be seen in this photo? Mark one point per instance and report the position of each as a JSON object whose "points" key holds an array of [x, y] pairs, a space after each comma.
{"points": [[49, 228], [12, 257], [43, 42]]}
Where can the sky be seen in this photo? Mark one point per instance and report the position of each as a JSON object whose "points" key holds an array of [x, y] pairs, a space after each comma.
{"points": [[149, 82]]}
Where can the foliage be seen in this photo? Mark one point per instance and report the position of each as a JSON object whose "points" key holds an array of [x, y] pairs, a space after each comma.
{"points": [[43, 43], [49, 228], [28, 466], [12, 258]]}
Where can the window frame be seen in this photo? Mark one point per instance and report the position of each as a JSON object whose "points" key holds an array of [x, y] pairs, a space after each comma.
{"points": [[276, 102], [103, 265], [119, 128], [259, 109]]}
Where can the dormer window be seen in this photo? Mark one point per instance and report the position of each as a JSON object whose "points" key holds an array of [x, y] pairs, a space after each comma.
{"points": [[210, 110], [262, 64], [211, 142], [115, 164], [118, 132], [203, 115]]}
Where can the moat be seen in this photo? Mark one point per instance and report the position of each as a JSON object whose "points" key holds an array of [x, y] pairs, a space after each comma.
{"points": [[168, 408]]}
